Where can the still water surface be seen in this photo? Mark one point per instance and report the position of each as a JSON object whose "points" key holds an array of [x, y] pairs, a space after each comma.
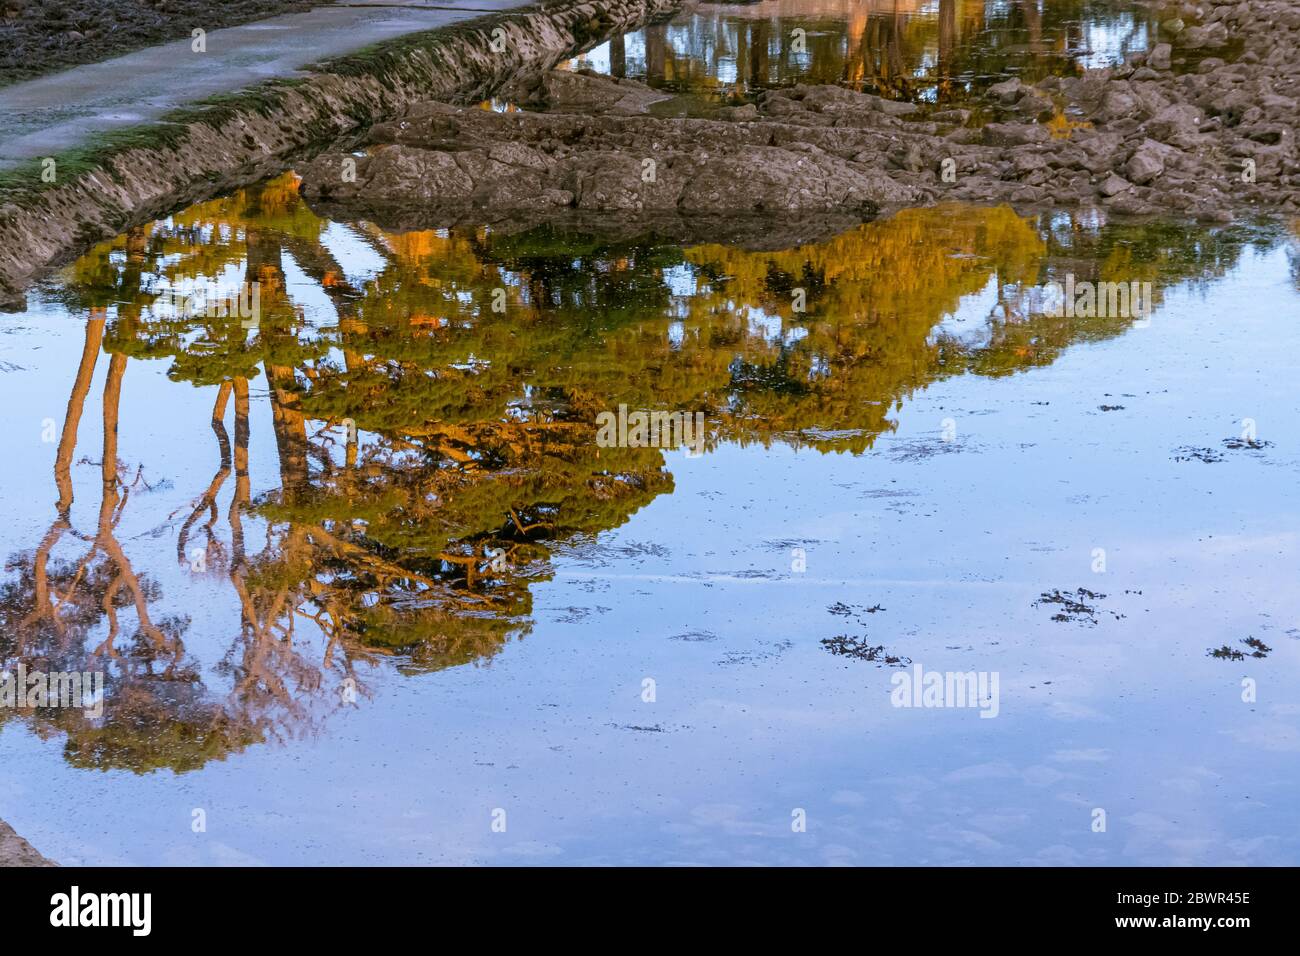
{"points": [[360, 576], [925, 50]]}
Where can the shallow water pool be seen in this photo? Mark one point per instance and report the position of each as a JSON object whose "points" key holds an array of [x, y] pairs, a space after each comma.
{"points": [[365, 587]]}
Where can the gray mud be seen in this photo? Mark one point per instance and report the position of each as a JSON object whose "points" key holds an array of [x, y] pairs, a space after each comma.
{"points": [[15, 851], [1144, 138]]}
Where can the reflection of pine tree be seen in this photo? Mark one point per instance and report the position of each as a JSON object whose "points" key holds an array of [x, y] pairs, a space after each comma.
{"points": [[1164, 254], [898, 50], [873, 294], [68, 615], [432, 451]]}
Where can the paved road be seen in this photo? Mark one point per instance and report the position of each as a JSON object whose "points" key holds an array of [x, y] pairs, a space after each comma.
{"points": [[53, 113]]}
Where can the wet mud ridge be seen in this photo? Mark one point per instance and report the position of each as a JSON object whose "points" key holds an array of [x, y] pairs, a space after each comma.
{"points": [[1140, 139], [680, 178], [140, 173]]}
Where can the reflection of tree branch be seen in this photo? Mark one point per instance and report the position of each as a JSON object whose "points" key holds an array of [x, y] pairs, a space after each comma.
{"points": [[106, 646], [242, 491], [76, 402], [110, 501], [44, 605], [374, 564], [525, 529], [208, 502]]}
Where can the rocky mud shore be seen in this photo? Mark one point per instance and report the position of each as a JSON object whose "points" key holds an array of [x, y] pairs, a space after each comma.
{"points": [[15, 851], [1154, 136], [690, 180]]}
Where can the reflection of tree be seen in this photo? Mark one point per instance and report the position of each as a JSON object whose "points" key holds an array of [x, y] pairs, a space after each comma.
{"points": [[434, 437], [66, 615], [120, 584], [1293, 252], [872, 294], [892, 47], [1163, 254]]}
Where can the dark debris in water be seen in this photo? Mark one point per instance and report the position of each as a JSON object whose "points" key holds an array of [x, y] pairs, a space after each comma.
{"points": [[840, 609], [1191, 453], [695, 637], [1255, 648], [1212, 455], [859, 648], [1074, 606], [921, 449], [653, 729], [756, 656]]}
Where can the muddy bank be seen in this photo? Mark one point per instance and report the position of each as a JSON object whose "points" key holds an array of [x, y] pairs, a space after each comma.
{"points": [[15, 851], [141, 173], [691, 180], [1148, 137], [1138, 139], [41, 36]]}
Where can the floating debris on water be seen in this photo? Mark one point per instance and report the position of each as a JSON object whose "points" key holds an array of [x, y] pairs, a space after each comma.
{"points": [[844, 645], [1257, 648], [1074, 607]]}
